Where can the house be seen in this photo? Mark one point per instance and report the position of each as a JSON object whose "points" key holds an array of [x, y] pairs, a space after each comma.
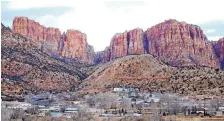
{"points": [[54, 108], [44, 109], [123, 89], [20, 105], [71, 110], [75, 102]]}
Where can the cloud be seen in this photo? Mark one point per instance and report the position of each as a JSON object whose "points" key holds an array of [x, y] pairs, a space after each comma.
{"points": [[214, 38], [210, 31], [101, 19], [27, 4], [48, 20]]}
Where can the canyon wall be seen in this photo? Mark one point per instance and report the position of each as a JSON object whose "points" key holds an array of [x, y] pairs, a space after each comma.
{"points": [[180, 44], [177, 43], [127, 43], [72, 44]]}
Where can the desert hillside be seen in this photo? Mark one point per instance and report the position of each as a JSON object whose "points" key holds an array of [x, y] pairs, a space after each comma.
{"points": [[26, 68], [149, 74]]}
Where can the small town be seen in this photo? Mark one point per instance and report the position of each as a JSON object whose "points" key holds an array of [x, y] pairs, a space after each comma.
{"points": [[119, 103], [112, 60]]}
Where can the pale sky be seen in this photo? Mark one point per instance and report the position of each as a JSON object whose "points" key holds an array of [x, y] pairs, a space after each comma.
{"points": [[101, 19]]}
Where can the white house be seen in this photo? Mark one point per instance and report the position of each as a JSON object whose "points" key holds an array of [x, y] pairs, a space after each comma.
{"points": [[20, 105], [71, 110]]}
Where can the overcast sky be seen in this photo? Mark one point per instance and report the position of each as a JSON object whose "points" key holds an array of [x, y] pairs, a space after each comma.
{"points": [[101, 19]]}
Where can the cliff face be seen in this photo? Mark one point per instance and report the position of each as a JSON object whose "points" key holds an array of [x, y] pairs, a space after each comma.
{"points": [[180, 44], [75, 45], [135, 41], [118, 45], [219, 50], [127, 43], [72, 44], [37, 33], [177, 43]]}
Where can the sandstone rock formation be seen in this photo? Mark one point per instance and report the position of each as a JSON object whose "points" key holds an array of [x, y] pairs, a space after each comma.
{"points": [[72, 44], [127, 43], [177, 43], [219, 50], [37, 33], [118, 45], [135, 39], [76, 46], [180, 44]]}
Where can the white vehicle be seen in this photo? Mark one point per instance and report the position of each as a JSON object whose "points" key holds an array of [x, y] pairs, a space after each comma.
{"points": [[137, 114]]}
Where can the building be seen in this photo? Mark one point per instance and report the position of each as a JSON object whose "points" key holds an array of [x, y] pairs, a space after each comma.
{"points": [[71, 110], [19, 105], [123, 89]]}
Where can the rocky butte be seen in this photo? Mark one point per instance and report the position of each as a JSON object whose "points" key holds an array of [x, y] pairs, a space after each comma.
{"points": [[71, 45], [177, 43]]}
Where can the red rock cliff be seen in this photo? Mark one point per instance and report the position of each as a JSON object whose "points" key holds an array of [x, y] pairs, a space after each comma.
{"points": [[118, 45], [219, 50], [72, 44], [74, 38], [180, 44], [135, 41], [127, 43], [177, 43], [37, 33]]}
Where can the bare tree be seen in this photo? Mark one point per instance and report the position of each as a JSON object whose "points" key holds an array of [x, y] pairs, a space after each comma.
{"points": [[172, 103], [6, 114], [91, 100], [102, 100], [175, 107], [166, 101], [83, 116], [17, 114], [213, 105], [32, 110]]}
